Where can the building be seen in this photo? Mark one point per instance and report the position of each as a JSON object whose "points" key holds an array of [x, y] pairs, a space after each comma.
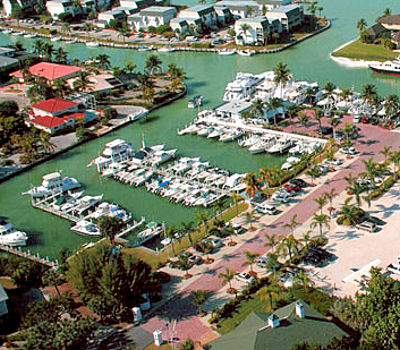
{"points": [[56, 115], [179, 25], [105, 17], [233, 109], [203, 14], [26, 5], [224, 15], [241, 9], [288, 326], [291, 16], [260, 30], [99, 83], [49, 71], [391, 22], [137, 4], [3, 301], [57, 7], [153, 16], [270, 4], [377, 31]]}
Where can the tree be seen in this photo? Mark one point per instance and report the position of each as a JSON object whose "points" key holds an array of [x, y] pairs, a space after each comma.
{"points": [[329, 92], [355, 189], [318, 117], [361, 25], [202, 218], [130, 67], [287, 246], [61, 55], [153, 63], [52, 278], [271, 241], [291, 112], [292, 224], [395, 159], [245, 27], [198, 298], [320, 220], [270, 291], [235, 199], [313, 9], [330, 195], [25, 273], [272, 105], [304, 119], [252, 186], [282, 75], [368, 91], [334, 122], [387, 12], [110, 227], [349, 214], [304, 280], [186, 228], [258, 107], [227, 278], [250, 260], [188, 343], [184, 263], [321, 201], [102, 61]]}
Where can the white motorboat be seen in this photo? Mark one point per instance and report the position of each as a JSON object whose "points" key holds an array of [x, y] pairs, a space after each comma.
{"points": [[113, 169], [86, 228], [17, 33], [71, 41], [9, 236], [85, 203], [145, 176], [136, 116], [391, 68], [246, 53], [166, 49], [92, 44], [111, 210], [116, 151], [280, 147], [215, 134], [243, 86], [257, 148], [30, 35], [205, 131], [55, 38], [144, 48], [249, 141], [226, 52], [160, 157], [52, 184], [231, 136]]}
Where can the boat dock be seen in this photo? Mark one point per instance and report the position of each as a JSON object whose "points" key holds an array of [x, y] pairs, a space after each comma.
{"points": [[28, 255]]}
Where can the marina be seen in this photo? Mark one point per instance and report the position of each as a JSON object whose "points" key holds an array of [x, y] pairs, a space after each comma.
{"points": [[308, 61]]}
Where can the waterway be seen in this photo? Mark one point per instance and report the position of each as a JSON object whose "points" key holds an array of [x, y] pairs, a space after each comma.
{"points": [[208, 74]]}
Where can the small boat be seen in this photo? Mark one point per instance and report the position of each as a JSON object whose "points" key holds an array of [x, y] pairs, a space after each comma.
{"points": [[257, 148], [246, 53], [71, 41], [111, 210], [205, 131], [226, 52], [166, 49], [86, 228], [55, 38], [280, 147], [17, 33], [195, 101], [92, 44], [144, 48], [216, 133], [231, 136], [30, 35], [9, 236], [135, 117]]}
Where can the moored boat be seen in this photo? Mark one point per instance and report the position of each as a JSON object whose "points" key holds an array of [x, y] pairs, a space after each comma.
{"points": [[9, 236]]}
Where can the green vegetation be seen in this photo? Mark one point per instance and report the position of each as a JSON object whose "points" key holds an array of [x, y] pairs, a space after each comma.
{"points": [[368, 52]]}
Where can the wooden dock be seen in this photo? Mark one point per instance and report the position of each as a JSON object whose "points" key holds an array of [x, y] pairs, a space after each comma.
{"points": [[26, 254]]}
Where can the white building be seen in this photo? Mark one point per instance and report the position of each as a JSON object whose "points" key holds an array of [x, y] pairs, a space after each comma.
{"points": [[57, 7], [153, 16], [258, 30], [137, 4], [270, 4], [26, 5], [290, 16], [204, 13], [180, 25], [240, 9], [104, 18]]}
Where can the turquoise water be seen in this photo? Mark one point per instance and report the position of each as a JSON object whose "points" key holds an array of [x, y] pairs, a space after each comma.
{"points": [[207, 75]]}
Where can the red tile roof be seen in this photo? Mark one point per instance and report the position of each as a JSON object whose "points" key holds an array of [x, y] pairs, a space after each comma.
{"points": [[47, 121], [49, 71], [54, 105]]}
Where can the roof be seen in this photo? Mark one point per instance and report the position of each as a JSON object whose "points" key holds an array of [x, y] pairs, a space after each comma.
{"points": [[54, 105], [52, 122], [156, 10], [7, 61], [252, 20], [4, 50], [200, 8], [254, 334], [392, 19], [376, 30], [3, 294], [236, 4], [285, 9], [99, 82], [49, 71]]}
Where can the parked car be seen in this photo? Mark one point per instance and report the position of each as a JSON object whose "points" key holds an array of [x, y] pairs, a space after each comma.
{"points": [[299, 182], [218, 42], [367, 226], [244, 277], [326, 130], [333, 161], [317, 256], [215, 242], [356, 118], [292, 187], [266, 209], [394, 268], [280, 197], [348, 150], [262, 261], [324, 169]]}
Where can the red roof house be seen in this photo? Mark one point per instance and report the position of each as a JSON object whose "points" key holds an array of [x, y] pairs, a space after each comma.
{"points": [[50, 71], [54, 107]]}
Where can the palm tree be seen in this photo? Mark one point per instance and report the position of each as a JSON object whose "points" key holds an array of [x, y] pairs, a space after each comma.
{"points": [[61, 55], [65, 29], [198, 298], [103, 61], [367, 92], [52, 278], [87, 27], [355, 189], [320, 9], [258, 107], [169, 233], [329, 91], [249, 11], [334, 122], [306, 238], [186, 228], [249, 217], [252, 186], [371, 170], [270, 290], [387, 12], [291, 111], [245, 27], [348, 213], [202, 218], [330, 195], [321, 201], [227, 278], [361, 25], [395, 159], [109, 227], [313, 173], [250, 260], [313, 9], [38, 47], [272, 105], [292, 224], [386, 152], [304, 280], [185, 264], [272, 241], [320, 220], [153, 63], [304, 119], [130, 67], [235, 199], [287, 246], [282, 75], [318, 118], [47, 51], [391, 106], [45, 140]]}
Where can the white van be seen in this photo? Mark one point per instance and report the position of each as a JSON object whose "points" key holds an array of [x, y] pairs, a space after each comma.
{"points": [[266, 209], [367, 226]]}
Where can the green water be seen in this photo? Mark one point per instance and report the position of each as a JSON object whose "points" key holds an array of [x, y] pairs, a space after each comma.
{"points": [[207, 75]]}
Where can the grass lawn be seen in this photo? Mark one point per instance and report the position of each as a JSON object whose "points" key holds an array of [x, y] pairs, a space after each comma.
{"points": [[162, 347], [368, 52]]}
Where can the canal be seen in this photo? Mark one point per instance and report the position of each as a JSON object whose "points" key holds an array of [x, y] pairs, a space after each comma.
{"points": [[207, 74]]}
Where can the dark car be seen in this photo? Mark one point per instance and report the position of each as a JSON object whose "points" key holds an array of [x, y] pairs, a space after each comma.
{"points": [[292, 187], [326, 130], [317, 256], [218, 42], [299, 182]]}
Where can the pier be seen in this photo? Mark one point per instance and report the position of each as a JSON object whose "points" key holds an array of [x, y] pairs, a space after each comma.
{"points": [[28, 255]]}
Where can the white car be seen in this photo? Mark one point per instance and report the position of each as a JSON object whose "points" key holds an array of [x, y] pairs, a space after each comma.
{"points": [[262, 261], [394, 268], [280, 197], [244, 277], [333, 161], [348, 150], [215, 242], [266, 209]]}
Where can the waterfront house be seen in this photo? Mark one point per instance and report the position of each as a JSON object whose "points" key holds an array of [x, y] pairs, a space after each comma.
{"points": [[137, 4], [153, 16], [259, 30], [3, 301], [56, 114], [49, 71], [286, 327], [291, 16], [179, 25], [205, 14], [240, 9], [102, 83], [57, 7], [26, 6], [377, 31], [224, 15], [233, 109], [391, 22], [104, 18]]}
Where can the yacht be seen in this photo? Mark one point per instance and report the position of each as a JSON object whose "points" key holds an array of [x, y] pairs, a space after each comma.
{"points": [[86, 228], [162, 156], [71, 41], [85, 203], [116, 151], [258, 147], [388, 67], [205, 131], [166, 49], [216, 133], [30, 35], [246, 53], [111, 210], [249, 141], [195, 101], [243, 87], [9, 236], [55, 38], [92, 44], [226, 52], [231, 136], [52, 184], [280, 147]]}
